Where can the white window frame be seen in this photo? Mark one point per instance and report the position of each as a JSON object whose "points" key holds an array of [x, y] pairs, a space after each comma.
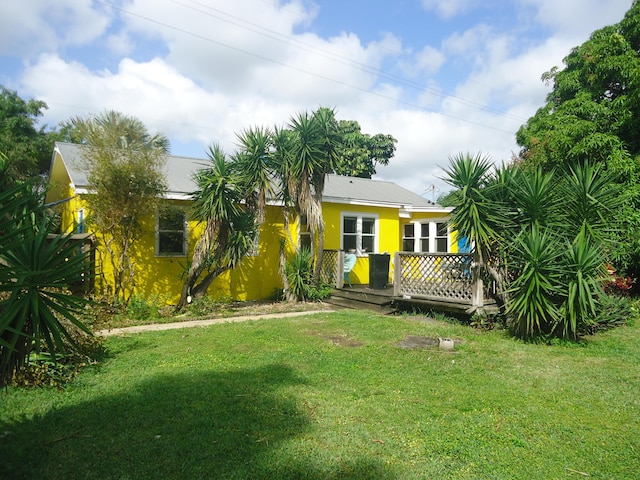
{"points": [[185, 235], [359, 216], [432, 235]]}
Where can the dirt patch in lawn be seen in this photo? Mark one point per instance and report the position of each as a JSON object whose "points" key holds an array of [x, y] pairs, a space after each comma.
{"points": [[413, 342], [338, 339]]}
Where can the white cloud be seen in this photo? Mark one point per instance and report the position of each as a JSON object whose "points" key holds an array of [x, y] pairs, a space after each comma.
{"points": [[449, 8], [426, 62], [578, 18], [41, 25]]}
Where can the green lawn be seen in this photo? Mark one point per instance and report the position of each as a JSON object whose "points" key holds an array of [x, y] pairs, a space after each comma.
{"points": [[333, 396]]}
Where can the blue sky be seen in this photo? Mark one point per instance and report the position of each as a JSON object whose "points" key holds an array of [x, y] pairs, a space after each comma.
{"points": [[441, 76]]}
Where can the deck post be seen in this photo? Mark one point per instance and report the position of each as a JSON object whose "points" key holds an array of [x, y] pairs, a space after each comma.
{"points": [[477, 287], [397, 274], [340, 270]]}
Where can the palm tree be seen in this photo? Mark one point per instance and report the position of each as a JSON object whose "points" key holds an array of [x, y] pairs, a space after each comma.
{"points": [[312, 155], [113, 129], [229, 229], [254, 165]]}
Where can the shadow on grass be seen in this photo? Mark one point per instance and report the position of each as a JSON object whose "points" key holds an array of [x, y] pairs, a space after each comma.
{"points": [[238, 424]]}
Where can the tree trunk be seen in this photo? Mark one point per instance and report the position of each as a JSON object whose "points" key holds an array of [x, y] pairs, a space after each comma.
{"points": [[286, 290], [317, 272], [197, 263]]}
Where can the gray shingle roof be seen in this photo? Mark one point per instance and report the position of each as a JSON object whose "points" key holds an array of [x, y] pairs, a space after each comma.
{"points": [[178, 170], [378, 192], [338, 189]]}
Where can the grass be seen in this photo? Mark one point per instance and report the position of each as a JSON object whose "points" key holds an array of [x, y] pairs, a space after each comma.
{"points": [[333, 396]]}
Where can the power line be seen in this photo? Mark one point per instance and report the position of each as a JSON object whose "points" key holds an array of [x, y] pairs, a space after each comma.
{"points": [[298, 69], [288, 40]]}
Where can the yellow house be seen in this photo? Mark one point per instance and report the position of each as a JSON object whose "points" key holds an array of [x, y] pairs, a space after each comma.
{"points": [[364, 215]]}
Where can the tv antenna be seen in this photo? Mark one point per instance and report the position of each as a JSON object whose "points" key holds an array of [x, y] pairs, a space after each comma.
{"points": [[433, 189]]}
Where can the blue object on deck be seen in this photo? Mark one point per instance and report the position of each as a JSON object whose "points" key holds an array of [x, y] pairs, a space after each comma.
{"points": [[349, 263]]}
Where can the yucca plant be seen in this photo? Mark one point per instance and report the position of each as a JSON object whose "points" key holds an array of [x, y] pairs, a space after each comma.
{"points": [[535, 292], [585, 273], [35, 271], [299, 272], [547, 231]]}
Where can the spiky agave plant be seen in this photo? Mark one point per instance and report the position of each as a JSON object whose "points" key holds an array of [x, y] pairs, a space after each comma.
{"points": [[35, 271]]}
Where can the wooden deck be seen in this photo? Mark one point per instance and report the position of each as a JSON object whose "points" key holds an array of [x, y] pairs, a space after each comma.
{"points": [[442, 282], [361, 297]]}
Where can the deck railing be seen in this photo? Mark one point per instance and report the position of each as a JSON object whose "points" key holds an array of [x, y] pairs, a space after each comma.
{"points": [[333, 268], [449, 277]]}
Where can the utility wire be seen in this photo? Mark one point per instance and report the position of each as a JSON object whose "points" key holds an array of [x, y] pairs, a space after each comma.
{"points": [[288, 40], [298, 69]]}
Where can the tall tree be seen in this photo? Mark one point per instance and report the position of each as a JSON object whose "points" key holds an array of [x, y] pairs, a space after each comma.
{"points": [[115, 130], [124, 166], [292, 162], [360, 153], [593, 114], [313, 154], [27, 147]]}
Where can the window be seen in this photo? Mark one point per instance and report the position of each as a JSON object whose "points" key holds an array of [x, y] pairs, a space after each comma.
{"points": [[171, 232], [425, 230], [408, 238], [359, 233], [434, 237], [442, 238]]}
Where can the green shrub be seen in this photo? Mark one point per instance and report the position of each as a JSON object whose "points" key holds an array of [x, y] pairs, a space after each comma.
{"points": [[611, 311], [299, 272], [41, 369], [487, 321], [140, 308], [207, 305]]}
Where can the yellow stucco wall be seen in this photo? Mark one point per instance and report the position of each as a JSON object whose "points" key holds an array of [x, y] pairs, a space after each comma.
{"points": [[389, 241], [257, 277]]}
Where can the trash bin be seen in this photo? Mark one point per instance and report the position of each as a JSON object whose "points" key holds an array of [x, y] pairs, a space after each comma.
{"points": [[378, 270]]}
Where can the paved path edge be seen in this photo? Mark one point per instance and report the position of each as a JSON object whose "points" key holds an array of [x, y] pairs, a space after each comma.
{"points": [[201, 323]]}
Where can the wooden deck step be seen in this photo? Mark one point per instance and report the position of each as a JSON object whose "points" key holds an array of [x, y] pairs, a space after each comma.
{"points": [[362, 298]]}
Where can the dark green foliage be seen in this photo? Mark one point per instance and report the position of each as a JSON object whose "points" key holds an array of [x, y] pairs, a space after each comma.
{"points": [[299, 271], [611, 311], [27, 148], [535, 289], [476, 216], [35, 270], [593, 114], [43, 369], [230, 228], [359, 152]]}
